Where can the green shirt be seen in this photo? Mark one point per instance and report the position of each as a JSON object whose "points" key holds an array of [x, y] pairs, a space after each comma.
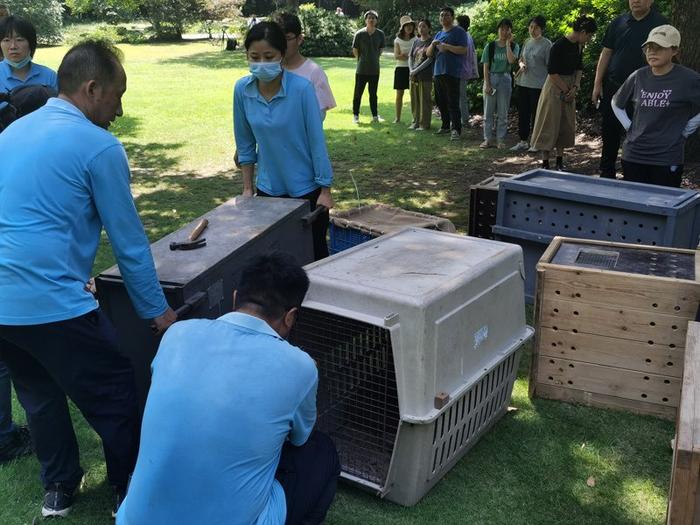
{"points": [[500, 60], [370, 48]]}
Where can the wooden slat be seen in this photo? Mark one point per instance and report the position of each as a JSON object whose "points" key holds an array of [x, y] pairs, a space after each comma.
{"points": [[639, 292], [628, 384], [619, 322], [569, 395], [538, 329], [683, 506], [548, 256], [608, 351]]}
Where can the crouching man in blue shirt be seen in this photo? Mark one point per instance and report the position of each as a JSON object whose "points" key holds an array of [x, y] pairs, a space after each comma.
{"points": [[227, 430], [63, 178]]}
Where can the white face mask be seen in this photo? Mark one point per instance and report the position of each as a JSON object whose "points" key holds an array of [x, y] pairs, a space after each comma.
{"points": [[265, 71]]}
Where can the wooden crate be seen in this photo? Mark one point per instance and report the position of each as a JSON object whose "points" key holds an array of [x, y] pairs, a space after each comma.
{"points": [[611, 322], [683, 504]]}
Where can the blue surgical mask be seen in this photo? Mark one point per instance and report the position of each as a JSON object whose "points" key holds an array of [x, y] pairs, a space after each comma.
{"points": [[265, 71], [20, 64]]}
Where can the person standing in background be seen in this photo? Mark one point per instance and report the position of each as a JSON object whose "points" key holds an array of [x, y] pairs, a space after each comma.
{"points": [[621, 55], [367, 46], [530, 78], [470, 70], [420, 67], [498, 59], [402, 47]]}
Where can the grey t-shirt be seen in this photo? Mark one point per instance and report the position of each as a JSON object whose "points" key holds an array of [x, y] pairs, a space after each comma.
{"points": [[535, 53], [662, 107], [370, 48]]}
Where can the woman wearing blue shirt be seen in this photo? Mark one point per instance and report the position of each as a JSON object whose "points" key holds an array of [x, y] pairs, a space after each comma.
{"points": [[18, 44], [278, 126]]}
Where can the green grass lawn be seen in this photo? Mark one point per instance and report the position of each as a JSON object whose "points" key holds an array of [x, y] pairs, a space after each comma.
{"points": [[533, 466]]}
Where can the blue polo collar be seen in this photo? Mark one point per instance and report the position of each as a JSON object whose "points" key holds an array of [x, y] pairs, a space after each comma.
{"points": [[66, 106], [8, 72], [250, 322], [251, 88]]}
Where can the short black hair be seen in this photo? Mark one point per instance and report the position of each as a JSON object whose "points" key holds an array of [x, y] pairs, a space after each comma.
{"points": [[92, 59], [505, 22], [289, 23], [448, 9], [271, 32], [12, 25], [539, 21], [425, 21], [464, 22], [585, 24], [274, 283]]}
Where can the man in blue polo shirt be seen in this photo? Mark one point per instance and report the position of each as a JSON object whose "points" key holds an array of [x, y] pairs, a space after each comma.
{"points": [[227, 430], [448, 48], [64, 178]]}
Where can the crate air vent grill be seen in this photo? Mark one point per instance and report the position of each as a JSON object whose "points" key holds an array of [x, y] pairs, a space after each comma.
{"points": [[357, 399], [597, 258]]}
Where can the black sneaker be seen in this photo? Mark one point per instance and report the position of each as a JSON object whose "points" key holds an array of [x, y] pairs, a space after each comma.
{"points": [[57, 500], [118, 496], [20, 445]]}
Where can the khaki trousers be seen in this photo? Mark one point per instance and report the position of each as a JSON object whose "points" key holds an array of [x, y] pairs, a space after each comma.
{"points": [[422, 103]]}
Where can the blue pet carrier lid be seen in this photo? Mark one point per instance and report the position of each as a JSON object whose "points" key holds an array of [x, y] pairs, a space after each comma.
{"points": [[606, 192]]}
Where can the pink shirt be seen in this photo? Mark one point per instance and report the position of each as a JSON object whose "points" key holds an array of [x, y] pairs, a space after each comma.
{"points": [[311, 71]]}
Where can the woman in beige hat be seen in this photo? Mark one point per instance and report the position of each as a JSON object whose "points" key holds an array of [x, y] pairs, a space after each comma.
{"points": [[666, 111], [402, 47]]}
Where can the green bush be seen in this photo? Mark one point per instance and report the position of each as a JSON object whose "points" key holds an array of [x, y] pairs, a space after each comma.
{"points": [[46, 15], [117, 34], [325, 34], [560, 15]]}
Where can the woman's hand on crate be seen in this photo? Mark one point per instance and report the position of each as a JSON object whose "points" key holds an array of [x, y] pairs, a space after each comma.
{"points": [[325, 198]]}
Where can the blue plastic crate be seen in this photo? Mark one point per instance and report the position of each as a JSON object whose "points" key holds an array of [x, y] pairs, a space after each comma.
{"points": [[540, 204], [344, 238]]}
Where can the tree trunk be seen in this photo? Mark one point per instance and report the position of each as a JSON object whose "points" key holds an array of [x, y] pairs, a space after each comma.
{"points": [[684, 18]]}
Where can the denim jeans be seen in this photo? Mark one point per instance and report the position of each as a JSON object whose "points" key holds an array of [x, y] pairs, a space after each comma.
{"points": [[7, 427], [464, 102], [497, 105]]}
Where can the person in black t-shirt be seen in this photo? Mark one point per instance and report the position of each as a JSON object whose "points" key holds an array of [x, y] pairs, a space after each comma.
{"points": [[621, 56], [555, 123]]}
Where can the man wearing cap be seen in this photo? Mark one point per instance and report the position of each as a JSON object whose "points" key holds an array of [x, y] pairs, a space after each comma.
{"points": [[620, 57], [448, 47], [666, 100], [367, 46]]}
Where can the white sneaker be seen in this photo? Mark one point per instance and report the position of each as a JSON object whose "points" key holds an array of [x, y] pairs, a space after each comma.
{"points": [[486, 144], [356, 119], [377, 119], [412, 125], [520, 146], [532, 149]]}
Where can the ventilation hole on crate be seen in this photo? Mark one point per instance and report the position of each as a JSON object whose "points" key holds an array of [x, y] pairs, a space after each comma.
{"points": [[669, 363], [571, 365], [609, 234], [579, 228], [674, 327], [567, 212], [551, 361], [555, 328], [554, 344], [648, 360], [527, 219], [656, 228], [577, 294], [650, 342], [554, 210], [575, 331], [672, 345], [655, 305], [550, 378], [641, 226], [556, 310], [527, 205], [653, 243], [652, 323], [515, 202], [595, 216], [622, 237], [561, 370], [610, 220], [566, 226], [575, 312], [624, 222], [639, 240], [667, 382], [539, 221], [557, 292], [676, 308], [554, 224], [573, 348], [664, 399], [541, 207], [646, 378], [593, 232], [570, 382], [513, 215], [644, 396]]}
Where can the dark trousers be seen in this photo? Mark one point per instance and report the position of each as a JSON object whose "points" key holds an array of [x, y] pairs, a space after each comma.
{"points": [[78, 358], [611, 131], [319, 228], [447, 96], [360, 82], [659, 175], [309, 475], [527, 110]]}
